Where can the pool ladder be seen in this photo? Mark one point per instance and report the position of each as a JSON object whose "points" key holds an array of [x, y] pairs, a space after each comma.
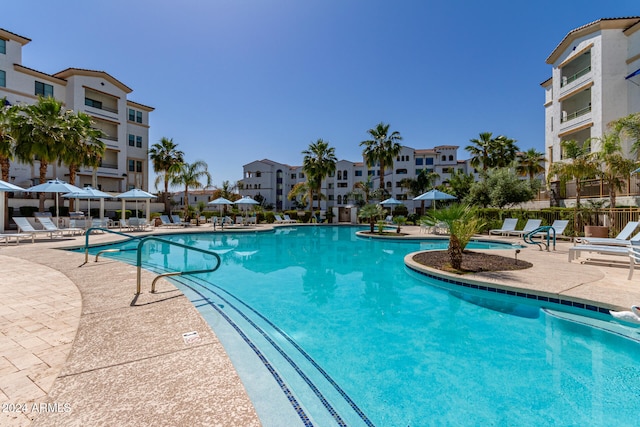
{"points": [[550, 237], [138, 249]]}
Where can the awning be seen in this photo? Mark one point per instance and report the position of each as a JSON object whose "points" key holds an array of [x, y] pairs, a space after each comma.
{"points": [[635, 73]]}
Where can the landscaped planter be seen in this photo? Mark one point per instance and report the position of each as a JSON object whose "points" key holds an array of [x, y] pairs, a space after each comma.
{"points": [[596, 231]]}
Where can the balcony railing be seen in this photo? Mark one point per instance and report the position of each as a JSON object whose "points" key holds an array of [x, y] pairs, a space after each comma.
{"points": [[98, 104], [568, 79], [577, 113], [108, 165]]}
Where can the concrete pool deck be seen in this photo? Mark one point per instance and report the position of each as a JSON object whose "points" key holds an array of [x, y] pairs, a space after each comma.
{"points": [[77, 347]]}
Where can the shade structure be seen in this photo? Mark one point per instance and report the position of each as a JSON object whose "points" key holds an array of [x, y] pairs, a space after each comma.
{"points": [[246, 201], [54, 186], [220, 201], [89, 193], [136, 194], [434, 195], [5, 187], [390, 202]]}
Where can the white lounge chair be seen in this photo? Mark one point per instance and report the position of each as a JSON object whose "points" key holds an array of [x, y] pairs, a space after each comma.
{"points": [[165, 221], [632, 250], [531, 225], [16, 237], [559, 225], [279, 219], [177, 221], [508, 225], [48, 225], [622, 239], [24, 226], [288, 219]]}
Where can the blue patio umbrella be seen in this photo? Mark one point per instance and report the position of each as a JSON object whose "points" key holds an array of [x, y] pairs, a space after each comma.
{"points": [[135, 194], [54, 186], [434, 195], [89, 193], [5, 187]]}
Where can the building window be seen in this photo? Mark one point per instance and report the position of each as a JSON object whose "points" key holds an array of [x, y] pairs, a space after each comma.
{"points": [[444, 158], [138, 116], [450, 158], [3, 46], [132, 166], [3, 79], [330, 186], [358, 173], [139, 141], [342, 185], [93, 103], [445, 170], [419, 161], [138, 166], [330, 197], [418, 171], [132, 115], [293, 176], [301, 175], [132, 140], [44, 89], [344, 174], [339, 174], [389, 184], [258, 174], [428, 161], [371, 173], [339, 199], [401, 172], [398, 184]]}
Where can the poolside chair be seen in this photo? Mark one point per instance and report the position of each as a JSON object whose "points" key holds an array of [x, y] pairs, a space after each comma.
{"points": [[177, 221], [16, 237], [279, 219], [227, 220], [165, 221], [559, 225], [48, 225], [24, 226], [508, 225], [288, 219], [531, 225], [124, 224], [239, 220], [622, 239]]}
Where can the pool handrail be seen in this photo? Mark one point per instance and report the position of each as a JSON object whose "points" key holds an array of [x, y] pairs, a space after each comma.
{"points": [[528, 238], [86, 241]]}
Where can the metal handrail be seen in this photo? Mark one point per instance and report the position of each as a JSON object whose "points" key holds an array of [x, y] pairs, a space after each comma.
{"points": [[177, 273], [86, 241], [528, 238]]}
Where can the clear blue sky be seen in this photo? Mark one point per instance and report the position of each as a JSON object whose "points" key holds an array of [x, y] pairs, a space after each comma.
{"points": [[234, 81]]}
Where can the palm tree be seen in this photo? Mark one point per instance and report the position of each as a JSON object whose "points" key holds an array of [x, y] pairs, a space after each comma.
{"points": [[7, 120], [371, 212], [421, 184], [629, 126], [40, 133], [530, 163], [319, 162], [503, 152], [302, 189], [581, 165], [166, 160], [381, 148], [615, 166], [462, 222], [190, 176], [481, 151]]}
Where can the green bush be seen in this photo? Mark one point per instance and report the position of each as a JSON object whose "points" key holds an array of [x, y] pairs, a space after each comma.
{"points": [[270, 217], [401, 210], [28, 210]]}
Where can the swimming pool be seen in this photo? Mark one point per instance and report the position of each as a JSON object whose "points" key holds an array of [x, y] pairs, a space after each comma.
{"points": [[350, 337]]}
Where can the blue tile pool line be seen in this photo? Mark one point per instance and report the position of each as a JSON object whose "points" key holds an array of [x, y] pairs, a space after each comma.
{"points": [[523, 295], [268, 365]]}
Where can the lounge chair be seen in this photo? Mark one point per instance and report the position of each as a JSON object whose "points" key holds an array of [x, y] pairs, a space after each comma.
{"points": [[559, 225], [48, 225], [16, 237], [622, 239], [288, 219], [24, 226], [531, 225], [279, 219], [508, 225], [165, 221], [177, 221], [239, 220], [632, 250]]}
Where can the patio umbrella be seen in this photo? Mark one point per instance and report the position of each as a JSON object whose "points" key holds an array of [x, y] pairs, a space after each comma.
{"points": [[135, 194], [434, 195], [220, 201], [89, 193], [246, 201], [5, 187], [391, 202], [54, 186]]}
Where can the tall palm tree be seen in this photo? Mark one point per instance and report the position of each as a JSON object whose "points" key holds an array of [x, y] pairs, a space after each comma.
{"points": [[190, 176], [503, 151], [40, 133], [480, 151], [319, 161], [581, 165], [530, 163], [382, 148], [420, 184], [629, 126], [166, 160], [302, 189], [615, 166]]}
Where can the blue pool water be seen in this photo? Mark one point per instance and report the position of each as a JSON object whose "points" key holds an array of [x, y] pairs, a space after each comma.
{"points": [[358, 339]]}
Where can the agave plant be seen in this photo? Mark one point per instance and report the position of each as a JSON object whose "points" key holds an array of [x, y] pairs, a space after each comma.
{"points": [[462, 222]]}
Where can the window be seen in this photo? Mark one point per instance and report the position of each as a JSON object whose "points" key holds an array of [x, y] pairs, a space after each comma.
{"points": [[339, 174], [330, 185], [342, 185], [132, 140], [293, 176], [418, 171], [301, 175], [339, 199], [138, 116], [138, 166], [371, 173], [444, 158], [93, 103], [132, 166], [419, 161], [331, 197], [258, 174], [398, 184], [3, 79], [358, 173], [401, 171], [344, 174], [450, 157], [132, 115], [44, 89], [428, 161], [389, 184], [3, 46], [139, 141], [445, 170]]}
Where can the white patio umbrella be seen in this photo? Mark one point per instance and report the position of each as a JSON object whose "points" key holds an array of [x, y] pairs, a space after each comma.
{"points": [[89, 193], [54, 186], [434, 195], [246, 201], [220, 201], [136, 194], [5, 187]]}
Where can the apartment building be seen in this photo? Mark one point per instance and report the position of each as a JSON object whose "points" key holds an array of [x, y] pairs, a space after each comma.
{"points": [[595, 78], [125, 123], [273, 181]]}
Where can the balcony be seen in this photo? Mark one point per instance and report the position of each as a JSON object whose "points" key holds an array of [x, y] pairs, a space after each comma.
{"points": [[573, 77], [567, 116]]}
